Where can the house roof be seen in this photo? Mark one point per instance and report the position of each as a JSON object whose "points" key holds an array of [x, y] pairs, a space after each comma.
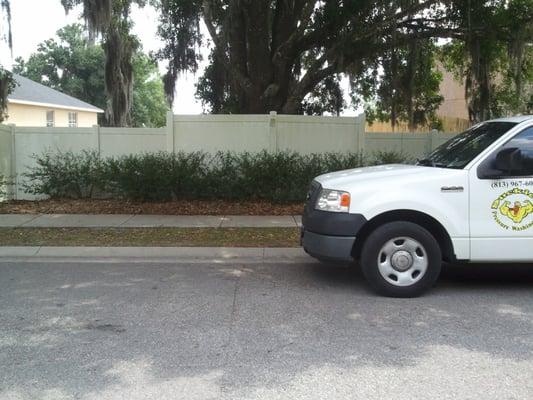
{"points": [[33, 93]]}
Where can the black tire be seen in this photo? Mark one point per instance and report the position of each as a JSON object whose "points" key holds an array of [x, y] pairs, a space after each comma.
{"points": [[374, 255]]}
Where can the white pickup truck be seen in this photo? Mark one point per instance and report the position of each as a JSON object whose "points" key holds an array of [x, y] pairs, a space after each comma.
{"points": [[470, 200]]}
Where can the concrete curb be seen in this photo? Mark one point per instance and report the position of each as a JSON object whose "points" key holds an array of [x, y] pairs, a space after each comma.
{"points": [[153, 254]]}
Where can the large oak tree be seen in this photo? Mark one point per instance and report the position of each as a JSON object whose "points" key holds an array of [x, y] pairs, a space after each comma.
{"points": [[272, 54]]}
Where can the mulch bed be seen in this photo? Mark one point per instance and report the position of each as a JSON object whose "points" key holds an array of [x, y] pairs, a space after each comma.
{"points": [[182, 207]]}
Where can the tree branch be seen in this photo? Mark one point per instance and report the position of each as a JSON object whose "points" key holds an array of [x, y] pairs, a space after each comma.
{"points": [[284, 49], [314, 74], [220, 49]]}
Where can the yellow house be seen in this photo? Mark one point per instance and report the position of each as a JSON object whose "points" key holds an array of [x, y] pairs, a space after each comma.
{"points": [[33, 104]]}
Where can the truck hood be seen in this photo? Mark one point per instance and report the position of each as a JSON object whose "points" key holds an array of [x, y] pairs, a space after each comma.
{"points": [[344, 180]]}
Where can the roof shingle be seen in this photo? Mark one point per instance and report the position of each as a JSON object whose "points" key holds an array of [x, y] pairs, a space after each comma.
{"points": [[32, 92]]}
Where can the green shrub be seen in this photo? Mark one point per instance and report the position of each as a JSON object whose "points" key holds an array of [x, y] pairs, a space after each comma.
{"points": [[281, 177], [4, 184], [139, 177], [66, 174], [389, 157]]}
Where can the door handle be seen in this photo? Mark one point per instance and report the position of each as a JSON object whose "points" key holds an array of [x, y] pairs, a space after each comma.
{"points": [[449, 189]]}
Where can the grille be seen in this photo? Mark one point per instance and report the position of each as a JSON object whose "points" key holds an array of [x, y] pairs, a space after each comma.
{"points": [[312, 194]]}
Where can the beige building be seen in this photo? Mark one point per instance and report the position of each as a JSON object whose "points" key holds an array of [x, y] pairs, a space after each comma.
{"points": [[454, 104], [453, 111], [33, 104]]}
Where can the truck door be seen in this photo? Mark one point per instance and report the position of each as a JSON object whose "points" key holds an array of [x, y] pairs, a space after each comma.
{"points": [[501, 202]]}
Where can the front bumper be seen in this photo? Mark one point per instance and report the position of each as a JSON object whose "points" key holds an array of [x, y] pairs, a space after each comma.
{"points": [[328, 235], [327, 247]]}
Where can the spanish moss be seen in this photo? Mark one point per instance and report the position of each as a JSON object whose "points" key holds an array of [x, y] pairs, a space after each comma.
{"points": [[119, 74], [96, 13], [110, 19], [5, 6]]}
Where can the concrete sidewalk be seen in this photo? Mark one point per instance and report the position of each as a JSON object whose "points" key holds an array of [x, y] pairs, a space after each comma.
{"points": [[146, 221]]}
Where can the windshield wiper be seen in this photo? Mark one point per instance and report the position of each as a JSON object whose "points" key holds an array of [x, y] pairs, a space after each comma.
{"points": [[428, 162]]}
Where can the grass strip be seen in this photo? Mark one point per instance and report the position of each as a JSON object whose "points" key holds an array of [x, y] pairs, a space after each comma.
{"points": [[187, 237]]}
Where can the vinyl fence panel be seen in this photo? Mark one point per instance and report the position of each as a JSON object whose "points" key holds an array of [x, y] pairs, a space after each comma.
{"points": [[30, 141], [124, 141], [212, 133], [209, 133]]}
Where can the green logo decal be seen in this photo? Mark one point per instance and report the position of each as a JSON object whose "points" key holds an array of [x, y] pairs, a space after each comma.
{"points": [[514, 209]]}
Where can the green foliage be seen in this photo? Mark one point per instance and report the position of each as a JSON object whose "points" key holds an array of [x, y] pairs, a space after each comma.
{"points": [[390, 157], [509, 83], [326, 97], [4, 185], [496, 64], [142, 177], [71, 64], [286, 56], [6, 79], [154, 176], [7, 85], [403, 86], [74, 64], [111, 19], [66, 175], [149, 106], [280, 177], [213, 89]]}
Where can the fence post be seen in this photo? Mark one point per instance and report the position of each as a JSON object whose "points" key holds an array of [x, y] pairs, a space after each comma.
{"points": [[432, 134], [360, 132], [13, 172], [97, 138], [273, 132], [170, 131]]}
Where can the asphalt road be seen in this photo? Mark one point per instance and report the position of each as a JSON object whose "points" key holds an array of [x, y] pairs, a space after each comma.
{"points": [[260, 331]]}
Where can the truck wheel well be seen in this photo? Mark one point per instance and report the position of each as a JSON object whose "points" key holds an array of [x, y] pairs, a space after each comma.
{"points": [[416, 217]]}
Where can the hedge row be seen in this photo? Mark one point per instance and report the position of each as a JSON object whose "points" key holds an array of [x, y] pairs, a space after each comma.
{"points": [[280, 177], [4, 182]]}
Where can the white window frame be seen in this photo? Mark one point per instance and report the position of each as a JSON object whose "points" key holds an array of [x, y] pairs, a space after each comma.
{"points": [[73, 119], [50, 122]]}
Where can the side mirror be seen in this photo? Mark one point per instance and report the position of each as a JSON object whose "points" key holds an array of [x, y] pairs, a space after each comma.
{"points": [[509, 160]]}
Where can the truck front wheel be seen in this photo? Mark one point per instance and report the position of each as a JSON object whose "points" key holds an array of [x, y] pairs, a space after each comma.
{"points": [[401, 259]]}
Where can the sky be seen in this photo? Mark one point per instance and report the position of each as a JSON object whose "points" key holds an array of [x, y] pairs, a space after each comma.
{"points": [[34, 21]]}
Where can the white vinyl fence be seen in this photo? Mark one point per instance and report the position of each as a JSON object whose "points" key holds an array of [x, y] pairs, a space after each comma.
{"points": [[210, 133]]}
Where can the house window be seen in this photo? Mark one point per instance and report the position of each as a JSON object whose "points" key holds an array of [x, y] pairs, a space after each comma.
{"points": [[72, 119], [50, 118]]}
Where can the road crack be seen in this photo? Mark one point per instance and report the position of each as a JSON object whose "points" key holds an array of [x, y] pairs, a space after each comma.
{"points": [[233, 314]]}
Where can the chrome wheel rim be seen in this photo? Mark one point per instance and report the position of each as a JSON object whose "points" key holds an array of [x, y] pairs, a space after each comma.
{"points": [[402, 261]]}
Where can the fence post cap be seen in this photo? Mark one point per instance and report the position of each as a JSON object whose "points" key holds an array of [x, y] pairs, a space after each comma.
{"points": [[273, 113]]}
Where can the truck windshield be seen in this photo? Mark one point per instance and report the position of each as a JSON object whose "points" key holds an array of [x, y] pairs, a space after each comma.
{"points": [[463, 148]]}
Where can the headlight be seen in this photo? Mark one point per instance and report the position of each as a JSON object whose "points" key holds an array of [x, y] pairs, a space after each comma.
{"points": [[333, 200]]}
